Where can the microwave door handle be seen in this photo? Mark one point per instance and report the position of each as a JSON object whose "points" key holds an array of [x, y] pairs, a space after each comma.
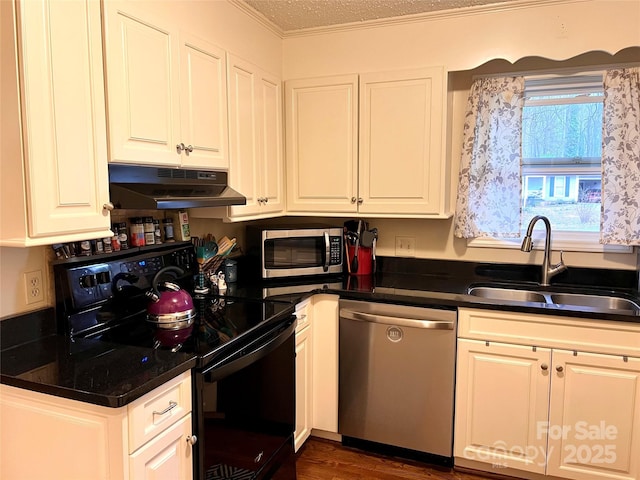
{"points": [[327, 252]]}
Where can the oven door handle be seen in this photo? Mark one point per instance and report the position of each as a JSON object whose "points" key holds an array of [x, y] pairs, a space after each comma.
{"points": [[222, 369]]}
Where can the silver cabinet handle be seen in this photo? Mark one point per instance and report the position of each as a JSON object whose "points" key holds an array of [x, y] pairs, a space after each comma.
{"points": [[171, 406], [108, 206], [559, 369], [544, 367], [180, 147], [353, 199], [266, 199], [398, 321], [192, 439], [360, 201], [189, 149]]}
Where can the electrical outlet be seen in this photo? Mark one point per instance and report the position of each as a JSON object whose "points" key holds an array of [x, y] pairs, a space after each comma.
{"points": [[33, 286], [405, 246]]}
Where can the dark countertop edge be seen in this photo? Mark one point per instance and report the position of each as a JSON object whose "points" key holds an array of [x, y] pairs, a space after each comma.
{"points": [[439, 299], [426, 298], [104, 400]]}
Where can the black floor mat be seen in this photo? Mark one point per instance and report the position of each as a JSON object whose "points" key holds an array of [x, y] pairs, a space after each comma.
{"points": [[226, 472]]}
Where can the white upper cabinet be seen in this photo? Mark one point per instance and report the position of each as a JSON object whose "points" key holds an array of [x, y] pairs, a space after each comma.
{"points": [[54, 154], [401, 161], [369, 144], [322, 144], [255, 130], [166, 92]]}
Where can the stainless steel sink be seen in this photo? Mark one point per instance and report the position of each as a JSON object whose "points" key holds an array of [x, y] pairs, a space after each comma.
{"points": [[499, 293], [595, 301], [589, 300]]}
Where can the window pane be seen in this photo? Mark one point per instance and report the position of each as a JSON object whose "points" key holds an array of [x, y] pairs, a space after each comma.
{"points": [[560, 132], [561, 149]]}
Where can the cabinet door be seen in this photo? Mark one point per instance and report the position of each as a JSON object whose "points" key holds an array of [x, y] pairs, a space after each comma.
{"points": [[401, 149], [243, 133], [168, 455], [272, 161], [594, 416], [502, 397], [63, 115], [304, 382], [142, 63], [203, 101], [325, 362], [322, 144]]}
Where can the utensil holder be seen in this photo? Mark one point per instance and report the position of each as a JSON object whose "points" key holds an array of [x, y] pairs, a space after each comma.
{"points": [[364, 259]]}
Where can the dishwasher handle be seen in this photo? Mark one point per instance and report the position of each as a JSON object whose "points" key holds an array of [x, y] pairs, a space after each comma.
{"points": [[398, 321]]}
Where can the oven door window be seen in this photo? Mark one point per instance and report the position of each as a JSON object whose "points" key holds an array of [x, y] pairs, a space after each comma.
{"points": [[298, 252], [248, 418]]}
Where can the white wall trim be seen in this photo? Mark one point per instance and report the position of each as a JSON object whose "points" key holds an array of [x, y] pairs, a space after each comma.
{"points": [[260, 18], [423, 17]]}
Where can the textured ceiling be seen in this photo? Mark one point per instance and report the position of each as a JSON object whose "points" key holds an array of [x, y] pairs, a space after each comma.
{"points": [[299, 14]]}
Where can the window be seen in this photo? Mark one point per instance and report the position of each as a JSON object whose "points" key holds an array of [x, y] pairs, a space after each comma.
{"points": [[561, 168], [561, 145]]}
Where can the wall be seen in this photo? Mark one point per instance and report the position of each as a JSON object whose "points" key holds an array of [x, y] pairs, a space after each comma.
{"points": [[548, 35], [14, 262]]}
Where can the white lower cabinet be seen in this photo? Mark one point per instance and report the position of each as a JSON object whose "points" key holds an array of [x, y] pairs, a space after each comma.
{"points": [[316, 367], [149, 438], [544, 404], [304, 374]]}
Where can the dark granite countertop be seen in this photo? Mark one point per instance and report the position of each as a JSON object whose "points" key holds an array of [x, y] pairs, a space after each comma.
{"points": [[444, 284], [91, 371]]}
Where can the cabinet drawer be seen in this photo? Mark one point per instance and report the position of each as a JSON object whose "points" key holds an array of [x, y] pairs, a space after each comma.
{"points": [[158, 410], [598, 336]]}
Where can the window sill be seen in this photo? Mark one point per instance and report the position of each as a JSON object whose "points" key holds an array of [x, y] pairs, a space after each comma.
{"points": [[566, 241]]}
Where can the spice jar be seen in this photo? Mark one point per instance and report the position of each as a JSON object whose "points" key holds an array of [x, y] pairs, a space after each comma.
{"points": [[137, 232], [123, 238], [149, 231], [157, 235], [167, 224]]}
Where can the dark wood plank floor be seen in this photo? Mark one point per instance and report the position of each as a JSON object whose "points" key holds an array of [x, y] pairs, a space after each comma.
{"points": [[321, 459]]}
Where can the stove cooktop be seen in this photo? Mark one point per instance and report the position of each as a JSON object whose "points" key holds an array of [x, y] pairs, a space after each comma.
{"points": [[221, 324]]}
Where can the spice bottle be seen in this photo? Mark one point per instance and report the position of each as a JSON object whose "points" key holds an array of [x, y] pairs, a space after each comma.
{"points": [[123, 238], [149, 231], [167, 224], [157, 235], [137, 232]]}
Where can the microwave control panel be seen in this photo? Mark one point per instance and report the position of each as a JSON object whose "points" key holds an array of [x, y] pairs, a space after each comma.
{"points": [[335, 250]]}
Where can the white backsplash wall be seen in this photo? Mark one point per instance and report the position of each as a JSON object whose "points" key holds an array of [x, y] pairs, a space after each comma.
{"points": [[14, 262]]}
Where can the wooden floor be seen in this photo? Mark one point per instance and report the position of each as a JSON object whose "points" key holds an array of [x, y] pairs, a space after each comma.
{"points": [[322, 459]]}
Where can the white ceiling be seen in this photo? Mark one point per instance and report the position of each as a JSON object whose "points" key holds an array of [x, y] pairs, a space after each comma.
{"points": [[291, 15]]}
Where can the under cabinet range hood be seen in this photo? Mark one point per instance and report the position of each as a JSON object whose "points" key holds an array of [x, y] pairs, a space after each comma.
{"points": [[159, 188]]}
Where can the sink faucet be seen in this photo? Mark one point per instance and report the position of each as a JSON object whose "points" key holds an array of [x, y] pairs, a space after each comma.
{"points": [[548, 271]]}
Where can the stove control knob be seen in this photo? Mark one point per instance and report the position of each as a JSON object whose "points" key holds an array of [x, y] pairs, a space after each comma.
{"points": [[192, 439]]}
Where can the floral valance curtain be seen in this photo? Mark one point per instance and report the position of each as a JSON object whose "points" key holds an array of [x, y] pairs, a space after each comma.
{"points": [[488, 202], [620, 219]]}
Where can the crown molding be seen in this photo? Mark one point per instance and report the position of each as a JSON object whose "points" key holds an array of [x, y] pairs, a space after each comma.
{"points": [[258, 17], [420, 17]]}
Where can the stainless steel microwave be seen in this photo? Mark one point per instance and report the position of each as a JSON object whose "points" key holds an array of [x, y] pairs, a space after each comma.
{"points": [[290, 252]]}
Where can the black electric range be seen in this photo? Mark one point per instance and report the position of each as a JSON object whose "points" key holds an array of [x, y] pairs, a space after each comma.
{"points": [[244, 380]]}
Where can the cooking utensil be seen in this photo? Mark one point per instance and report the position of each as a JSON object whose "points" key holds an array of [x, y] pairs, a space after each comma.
{"points": [[354, 261], [366, 239]]}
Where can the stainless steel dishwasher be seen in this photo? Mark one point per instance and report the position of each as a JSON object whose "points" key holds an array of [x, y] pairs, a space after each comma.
{"points": [[397, 367]]}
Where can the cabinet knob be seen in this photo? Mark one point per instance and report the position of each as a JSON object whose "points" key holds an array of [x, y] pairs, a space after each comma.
{"points": [[180, 147], [266, 199], [108, 206], [544, 367], [353, 199], [189, 149], [559, 369], [192, 439], [360, 201]]}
